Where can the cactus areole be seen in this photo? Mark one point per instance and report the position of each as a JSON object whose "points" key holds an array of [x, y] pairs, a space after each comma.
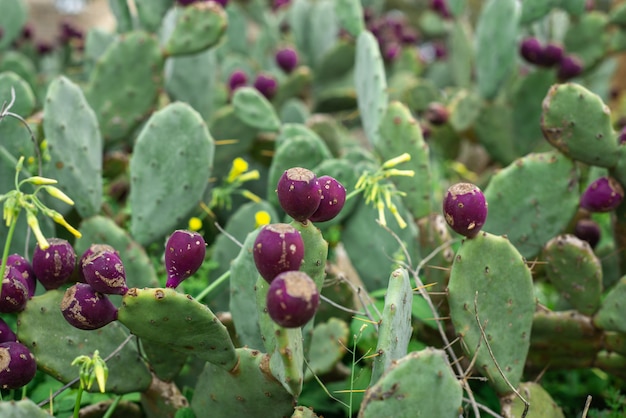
{"points": [[465, 209]]}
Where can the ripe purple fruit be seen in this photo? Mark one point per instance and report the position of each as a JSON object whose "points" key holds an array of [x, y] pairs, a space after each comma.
{"points": [[292, 299], [266, 85], [531, 50], [184, 254], [6, 333], [237, 79], [569, 67], [14, 293], [54, 265], [277, 248], [588, 230], [104, 271], [465, 209], [17, 365], [551, 55], [333, 199], [85, 308], [287, 59], [603, 195], [299, 193], [26, 270]]}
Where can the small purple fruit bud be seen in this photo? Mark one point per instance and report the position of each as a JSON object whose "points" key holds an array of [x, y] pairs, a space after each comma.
{"points": [[14, 293], [390, 51], [531, 50], [237, 79], [184, 254], [6, 333], [569, 67], [292, 299], [299, 193], [277, 4], [437, 114], [551, 55], [622, 135], [441, 7], [85, 308], [465, 209], [287, 59], [603, 195], [54, 265], [266, 85], [26, 270], [588, 230], [17, 365], [333, 199], [277, 248], [104, 271]]}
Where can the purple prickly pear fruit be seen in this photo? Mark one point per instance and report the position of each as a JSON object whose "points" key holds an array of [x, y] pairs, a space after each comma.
{"points": [[622, 135], [266, 85], [17, 365], [551, 55], [441, 7], [569, 67], [299, 193], [14, 293], [54, 265], [531, 50], [588, 230], [390, 51], [437, 114], [93, 248], [277, 248], [85, 308], [26, 270], [6, 333], [222, 3], [333, 199], [184, 254], [292, 299], [465, 209], [104, 271], [287, 59], [237, 79], [603, 195]]}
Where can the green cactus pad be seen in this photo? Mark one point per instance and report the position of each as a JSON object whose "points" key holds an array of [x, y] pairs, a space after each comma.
{"points": [[24, 408], [533, 10], [399, 133], [578, 123], [14, 16], [541, 403], [174, 319], [124, 85], [197, 27], [169, 171], [75, 145], [461, 52], [528, 209], [575, 271], [394, 329], [371, 85], [253, 109], [315, 252], [21, 65], [150, 13], [493, 131], [15, 137], [164, 361], [102, 230], [250, 390], [465, 107], [338, 62], [587, 37], [610, 316], [122, 15], [287, 360], [421, 384], [496, 45], [328, 346], [55, 344], [350, 16], [294, 85], [489, 270]]}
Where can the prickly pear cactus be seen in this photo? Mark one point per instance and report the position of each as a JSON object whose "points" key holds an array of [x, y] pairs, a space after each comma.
{"points": [[541, 403], [491, 283], [22, 409]]}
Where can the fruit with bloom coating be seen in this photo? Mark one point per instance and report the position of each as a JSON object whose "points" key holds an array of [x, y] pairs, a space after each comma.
{"points": [[602, 195], [17, 365], [26, 270], [287, 59], [14, 291], [104, 271], [85, 308], [299, 193], [184, 254], [54, 265], [333, 199], [465, 209], [292, 299], [277, 248]]}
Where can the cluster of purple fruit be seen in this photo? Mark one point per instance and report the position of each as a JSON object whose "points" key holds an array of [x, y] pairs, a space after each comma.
{"points": [[550, 55], [278, 251], [391, 32]]}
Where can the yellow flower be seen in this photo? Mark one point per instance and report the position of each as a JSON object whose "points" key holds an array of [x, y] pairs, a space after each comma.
{"points": [[195, 223], [31, 219], [261, 218], [397, 160], [57, 193], [239, 167], [38, 180], [58, 218]]}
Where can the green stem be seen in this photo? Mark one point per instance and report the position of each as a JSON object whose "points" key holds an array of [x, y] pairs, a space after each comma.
{"points": [[352, 194], [79, 395], [111, 408], [7, 245], [213, 286]]}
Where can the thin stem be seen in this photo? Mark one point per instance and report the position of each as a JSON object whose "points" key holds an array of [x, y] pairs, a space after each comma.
{"points": [[112, 407], [79, 395], [213, 286]]}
